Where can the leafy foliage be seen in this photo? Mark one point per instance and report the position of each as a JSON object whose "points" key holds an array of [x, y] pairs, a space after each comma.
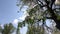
{"points": [[39, 10], [8, 29], [35, 30]]}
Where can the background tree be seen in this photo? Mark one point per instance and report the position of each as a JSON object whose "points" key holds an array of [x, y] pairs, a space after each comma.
{"points": [[8, 29], [18, 29], [0, 29], [35, 30], [41, 10]]}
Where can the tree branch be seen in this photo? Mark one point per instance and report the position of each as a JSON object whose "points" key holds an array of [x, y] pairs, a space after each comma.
{"points": [[39, 1], [52, 2], [46, 2], [51, 11], [49, 17]]}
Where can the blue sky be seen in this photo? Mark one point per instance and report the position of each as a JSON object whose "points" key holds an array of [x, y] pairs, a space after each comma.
{"points": [[8, 11]]}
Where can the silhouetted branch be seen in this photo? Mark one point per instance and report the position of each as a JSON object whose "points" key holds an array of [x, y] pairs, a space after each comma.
{"points": [[52, 2], [49, 17], [39, 1]]}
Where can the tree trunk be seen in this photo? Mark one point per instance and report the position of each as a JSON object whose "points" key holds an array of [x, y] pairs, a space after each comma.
{"points": [[54, 17]]}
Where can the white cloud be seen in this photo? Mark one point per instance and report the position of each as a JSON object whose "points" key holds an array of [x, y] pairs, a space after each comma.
{"points": [[23, 30], [2, 25], [15, 21], [23, 16], [50, 23]]}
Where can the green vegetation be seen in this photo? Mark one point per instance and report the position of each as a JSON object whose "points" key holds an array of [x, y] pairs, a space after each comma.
{"points": [[39, 11], [7, 29]]}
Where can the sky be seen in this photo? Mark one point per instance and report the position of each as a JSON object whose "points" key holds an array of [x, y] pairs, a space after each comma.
{"points": [[8, 11], [9, 14]]}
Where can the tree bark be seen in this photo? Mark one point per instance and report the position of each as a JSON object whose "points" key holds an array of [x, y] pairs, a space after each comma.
{"points": [[54, 17]]}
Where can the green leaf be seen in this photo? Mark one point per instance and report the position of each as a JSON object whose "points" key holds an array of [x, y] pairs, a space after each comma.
{"points": [[58, 17]]}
